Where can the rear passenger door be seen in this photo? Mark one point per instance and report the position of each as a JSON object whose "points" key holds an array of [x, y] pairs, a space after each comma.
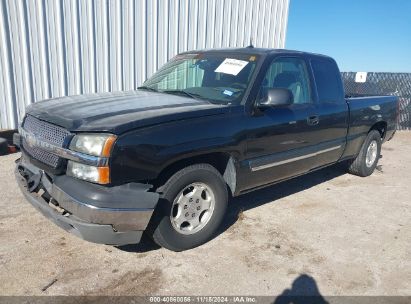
{"points": [[332, 110]]}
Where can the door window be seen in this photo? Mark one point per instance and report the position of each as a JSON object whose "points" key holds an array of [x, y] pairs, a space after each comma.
{"points": [[291, 74]]}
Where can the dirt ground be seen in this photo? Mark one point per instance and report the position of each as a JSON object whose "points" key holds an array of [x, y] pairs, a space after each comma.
{"points": [[327, 233]]}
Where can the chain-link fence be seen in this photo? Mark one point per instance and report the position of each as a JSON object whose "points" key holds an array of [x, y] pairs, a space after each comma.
{"points": [[398, 84]]}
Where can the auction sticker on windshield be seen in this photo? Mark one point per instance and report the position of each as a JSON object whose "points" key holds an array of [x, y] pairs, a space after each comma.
{"points": [[231, 66]]}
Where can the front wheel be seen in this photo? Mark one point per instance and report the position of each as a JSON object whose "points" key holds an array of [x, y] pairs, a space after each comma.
{"points": [[192, 206], [366, 161]]}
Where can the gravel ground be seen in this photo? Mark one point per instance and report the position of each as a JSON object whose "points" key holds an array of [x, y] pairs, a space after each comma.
{"points": [[327, 232]]}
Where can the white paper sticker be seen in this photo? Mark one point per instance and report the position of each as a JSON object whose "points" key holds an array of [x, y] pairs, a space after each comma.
{"points": [[361, 77], [228, 92], [231, 66]]}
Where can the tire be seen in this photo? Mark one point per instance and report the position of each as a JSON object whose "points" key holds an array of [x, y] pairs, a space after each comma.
{"points": [[362, 166], [174, 205], [4, 147]]}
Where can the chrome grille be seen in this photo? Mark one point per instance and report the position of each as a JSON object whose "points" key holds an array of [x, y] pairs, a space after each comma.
{"points": [[46, 132]]}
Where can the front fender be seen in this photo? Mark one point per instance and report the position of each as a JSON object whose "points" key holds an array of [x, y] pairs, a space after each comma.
{"points": [[141, 155]]}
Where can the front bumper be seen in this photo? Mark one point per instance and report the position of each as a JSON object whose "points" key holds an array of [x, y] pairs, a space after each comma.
{"points": [[107, 215]]}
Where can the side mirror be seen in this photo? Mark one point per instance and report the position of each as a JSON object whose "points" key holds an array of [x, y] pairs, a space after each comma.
{"points": [[276, 97]]}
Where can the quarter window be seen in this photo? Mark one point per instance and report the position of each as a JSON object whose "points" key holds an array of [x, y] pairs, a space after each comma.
{"points": [[328, 81]]}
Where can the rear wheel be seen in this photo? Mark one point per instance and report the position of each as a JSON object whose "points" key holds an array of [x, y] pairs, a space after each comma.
{"points": [[192, 206], [366, 161]]}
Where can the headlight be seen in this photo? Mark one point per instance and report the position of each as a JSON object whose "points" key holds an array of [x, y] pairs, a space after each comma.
{"points": [[93, 144], [93, 174]]}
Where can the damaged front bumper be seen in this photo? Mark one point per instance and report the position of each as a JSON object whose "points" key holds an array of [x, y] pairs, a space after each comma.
{"points": [[108, 215]]}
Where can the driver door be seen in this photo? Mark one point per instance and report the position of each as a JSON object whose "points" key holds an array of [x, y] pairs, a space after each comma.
{"points": [[282, 136]]}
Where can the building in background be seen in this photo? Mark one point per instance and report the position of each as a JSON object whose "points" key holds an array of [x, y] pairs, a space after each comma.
{"points": [[51, 48]]}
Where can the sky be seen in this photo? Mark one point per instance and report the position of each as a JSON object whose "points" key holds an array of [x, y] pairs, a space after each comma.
{"points": [[361, 35]]}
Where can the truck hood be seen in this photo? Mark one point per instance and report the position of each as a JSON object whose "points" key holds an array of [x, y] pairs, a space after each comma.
{"points": [[119, 112]]}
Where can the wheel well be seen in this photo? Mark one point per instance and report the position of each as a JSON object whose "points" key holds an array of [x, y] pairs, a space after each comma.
{"points": [[381, 127], [223, 162]]}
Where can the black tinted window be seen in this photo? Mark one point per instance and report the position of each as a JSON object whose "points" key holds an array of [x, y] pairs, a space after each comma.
{"points": [[328, 80]]}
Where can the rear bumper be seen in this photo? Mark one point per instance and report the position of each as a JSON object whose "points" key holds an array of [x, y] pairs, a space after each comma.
{"points": [[107, 215]]}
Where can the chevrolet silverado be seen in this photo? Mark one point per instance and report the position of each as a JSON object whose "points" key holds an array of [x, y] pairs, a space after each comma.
{"points": [[208, 125]]}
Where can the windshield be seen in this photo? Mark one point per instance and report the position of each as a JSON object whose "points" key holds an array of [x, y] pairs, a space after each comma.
{"points": [[219, 78]]}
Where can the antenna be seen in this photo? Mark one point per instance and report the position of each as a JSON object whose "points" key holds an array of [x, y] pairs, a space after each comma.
{"points": [[251, 43]]}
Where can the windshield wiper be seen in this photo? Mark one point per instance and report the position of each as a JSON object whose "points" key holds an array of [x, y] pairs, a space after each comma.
{"points": [[184, 93], [147, 89], [178, 92]]}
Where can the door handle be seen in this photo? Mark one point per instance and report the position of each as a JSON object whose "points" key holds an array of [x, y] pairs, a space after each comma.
{"points": [[313, 120]]}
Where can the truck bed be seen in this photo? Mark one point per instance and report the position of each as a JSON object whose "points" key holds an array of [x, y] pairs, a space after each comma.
{"points": [[365, 112]]}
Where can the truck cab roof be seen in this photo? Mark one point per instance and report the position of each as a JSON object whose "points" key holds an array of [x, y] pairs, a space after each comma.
{"points": [[257, 51]]}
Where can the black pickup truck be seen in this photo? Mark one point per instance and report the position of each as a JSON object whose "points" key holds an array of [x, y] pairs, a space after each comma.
{"points": [[208, 125]]}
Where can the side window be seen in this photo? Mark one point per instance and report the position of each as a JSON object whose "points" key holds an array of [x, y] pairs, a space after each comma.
{"points": [[291, 74], [328, 81]]}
